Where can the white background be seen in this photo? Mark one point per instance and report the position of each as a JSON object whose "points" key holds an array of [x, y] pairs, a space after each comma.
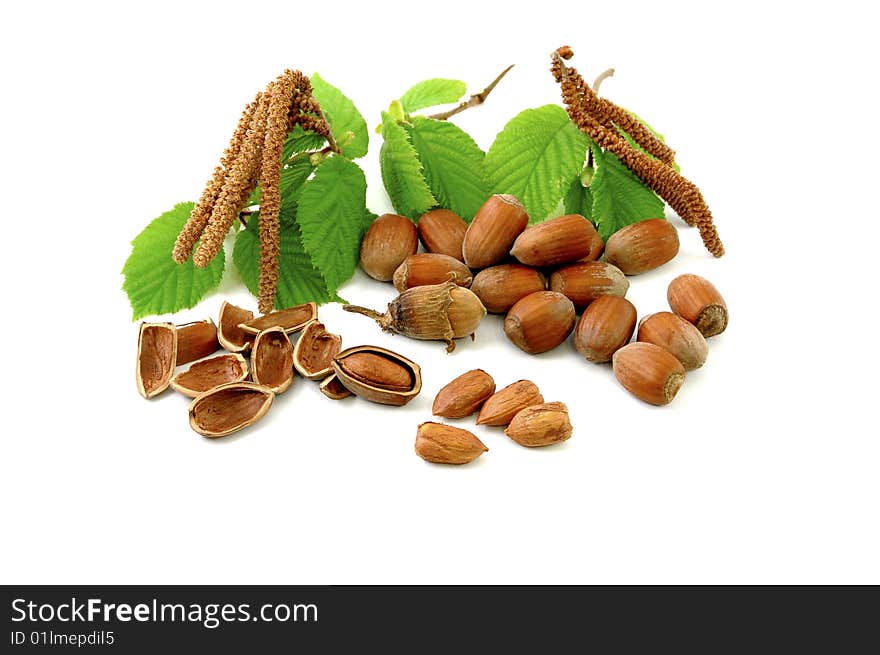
{"points": [[763, 470]]}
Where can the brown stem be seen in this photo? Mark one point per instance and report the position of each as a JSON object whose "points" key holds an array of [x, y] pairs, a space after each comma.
{"points": [[331, 142], [473, 101], [357, 309], [604, 75]]}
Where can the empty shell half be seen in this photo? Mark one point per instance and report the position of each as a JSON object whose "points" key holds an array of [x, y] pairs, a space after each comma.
{"points": [[378, 375], [333, 388], [206, 374], [229, 408], [272, 359], [196, 340], [314, 351], [232, 337], [156, 358], [292, 319]]}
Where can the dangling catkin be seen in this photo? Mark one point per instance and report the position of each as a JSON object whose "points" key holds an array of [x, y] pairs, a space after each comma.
{"points": [[682, 195]]}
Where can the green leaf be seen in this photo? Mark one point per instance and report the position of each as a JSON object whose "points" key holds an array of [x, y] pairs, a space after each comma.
{"points": [[578, 199], [402, 171], [298, 280], [154, 282], [299, 140], [619, 197], [330, 215], [535, 157], [293, 177], [436, 91], [453, 165], [342, 116]]}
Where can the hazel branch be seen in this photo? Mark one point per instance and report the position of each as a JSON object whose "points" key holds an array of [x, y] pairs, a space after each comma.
{"points": [[474, 100]]}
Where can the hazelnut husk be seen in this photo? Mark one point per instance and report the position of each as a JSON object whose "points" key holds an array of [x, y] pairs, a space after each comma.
{"points": [[389, 240], [441, 312]]}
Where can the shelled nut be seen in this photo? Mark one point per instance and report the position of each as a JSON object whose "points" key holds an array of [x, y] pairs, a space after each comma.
{"points": [[445, 444], [464, 395], [503, 405], [540, 425]]}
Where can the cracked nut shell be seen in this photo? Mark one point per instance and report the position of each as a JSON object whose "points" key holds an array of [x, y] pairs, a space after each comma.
{"points": [[290, 320], [378, 375], [229, 408], [196, 340], [206, 374], [229, 334], [272, 360], [156, 358], [314, 351]]}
